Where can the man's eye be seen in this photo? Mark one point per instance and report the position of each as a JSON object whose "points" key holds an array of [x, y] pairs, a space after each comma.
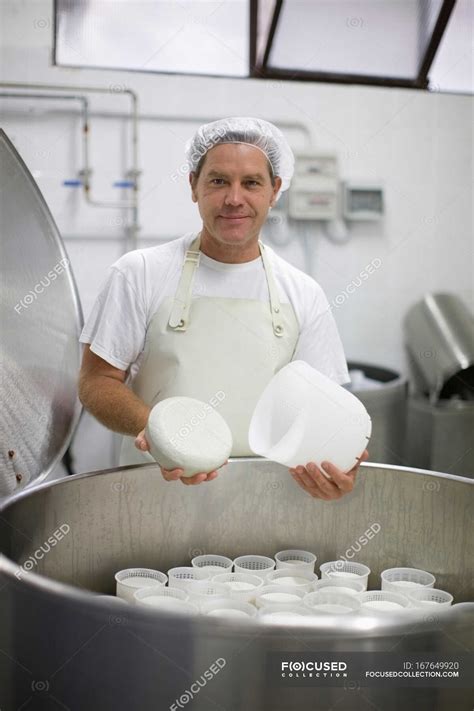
{"points": [[253, 182], [217, 181]]}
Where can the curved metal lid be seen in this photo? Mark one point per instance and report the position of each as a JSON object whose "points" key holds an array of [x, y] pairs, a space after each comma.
{"points": [[40, 322], [439, 335]]}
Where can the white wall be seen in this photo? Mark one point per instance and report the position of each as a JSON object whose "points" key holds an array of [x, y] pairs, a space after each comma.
{"points": [[418, 144]]}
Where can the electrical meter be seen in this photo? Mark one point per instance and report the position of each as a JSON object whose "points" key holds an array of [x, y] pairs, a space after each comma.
{"points": [[314, 188], [362, 201]]}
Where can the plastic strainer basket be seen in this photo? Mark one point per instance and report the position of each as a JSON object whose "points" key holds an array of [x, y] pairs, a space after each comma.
{"points": [[182, 576], [131, 579], [383, 601], [335, 603], [259, 565], [300, 578], [404, 579], [201, 590], [147, 596], [295, 558], [424, 597], [228, 608], [215, 563], [345, 569], [303, 415]]}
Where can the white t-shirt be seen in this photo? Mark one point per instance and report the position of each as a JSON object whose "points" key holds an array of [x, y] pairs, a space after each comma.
{"points": [[137, 283]]}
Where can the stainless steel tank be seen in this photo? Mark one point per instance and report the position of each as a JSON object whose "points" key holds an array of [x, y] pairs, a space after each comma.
{"points": [[440, 435], [65, 646]]}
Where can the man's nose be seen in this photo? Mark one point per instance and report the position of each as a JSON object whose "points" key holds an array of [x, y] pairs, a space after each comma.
{"points": [[234, 194]]}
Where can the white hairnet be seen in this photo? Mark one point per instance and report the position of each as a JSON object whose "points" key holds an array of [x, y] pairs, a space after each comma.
{"points": [[252, 131]]}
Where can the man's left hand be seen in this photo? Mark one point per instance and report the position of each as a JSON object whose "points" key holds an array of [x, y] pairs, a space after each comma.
{"points": [[311, 479]]}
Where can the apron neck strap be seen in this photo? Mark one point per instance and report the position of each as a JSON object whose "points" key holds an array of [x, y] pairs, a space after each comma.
{"points": [[182, 301], [275, 307]]}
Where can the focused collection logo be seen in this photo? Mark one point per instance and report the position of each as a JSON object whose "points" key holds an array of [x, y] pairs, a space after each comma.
{"points": [[313, 669]]}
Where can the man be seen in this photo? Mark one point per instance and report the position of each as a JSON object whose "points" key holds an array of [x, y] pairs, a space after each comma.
{"points": [[215, 314]]}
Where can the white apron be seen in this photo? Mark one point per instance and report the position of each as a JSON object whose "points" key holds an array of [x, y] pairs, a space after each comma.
{"points": [[222, 351]]}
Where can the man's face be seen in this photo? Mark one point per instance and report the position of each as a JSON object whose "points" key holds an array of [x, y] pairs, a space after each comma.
{"points": [[234, 193]]}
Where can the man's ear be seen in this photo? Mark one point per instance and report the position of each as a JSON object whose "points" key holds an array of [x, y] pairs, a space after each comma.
{"points": [[276, 188], [191, 181]]}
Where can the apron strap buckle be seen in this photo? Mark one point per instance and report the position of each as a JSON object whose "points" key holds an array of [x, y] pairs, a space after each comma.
{"points": [[193, 257]]}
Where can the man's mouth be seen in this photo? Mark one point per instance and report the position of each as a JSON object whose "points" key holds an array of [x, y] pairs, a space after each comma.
{"points": [[234, 217]]}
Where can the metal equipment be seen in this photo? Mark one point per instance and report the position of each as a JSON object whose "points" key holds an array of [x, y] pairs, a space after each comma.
{"points": [[95, 652], [64, 644], [439, 337], [40, 322], [440, 436]]}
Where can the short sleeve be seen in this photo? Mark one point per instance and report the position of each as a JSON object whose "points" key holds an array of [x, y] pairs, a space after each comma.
{"points": [[319, 343], [116, 327]]}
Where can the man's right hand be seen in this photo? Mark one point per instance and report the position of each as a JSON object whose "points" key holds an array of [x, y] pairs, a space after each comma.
{"points": [[176, 474]]}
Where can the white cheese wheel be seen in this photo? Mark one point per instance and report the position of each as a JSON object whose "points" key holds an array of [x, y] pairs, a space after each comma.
{"points": [[294, 562], [238, 585], [382, 605], [227, 613], [343, 574], [281, 597], [405, 584], [290, 580], [188, 434]]}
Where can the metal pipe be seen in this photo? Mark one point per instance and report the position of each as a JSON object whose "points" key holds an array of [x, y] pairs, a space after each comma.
{"points": [[86, 172], [303, 128], [133, 229], [23, 94]]}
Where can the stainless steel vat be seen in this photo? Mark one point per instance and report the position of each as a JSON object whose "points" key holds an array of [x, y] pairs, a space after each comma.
{"points": [[65, 646], [386, 406], [440, 435]]}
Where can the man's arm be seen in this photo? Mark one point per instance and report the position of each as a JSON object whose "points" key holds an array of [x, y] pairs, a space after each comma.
{"points": [[103, 393]]}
